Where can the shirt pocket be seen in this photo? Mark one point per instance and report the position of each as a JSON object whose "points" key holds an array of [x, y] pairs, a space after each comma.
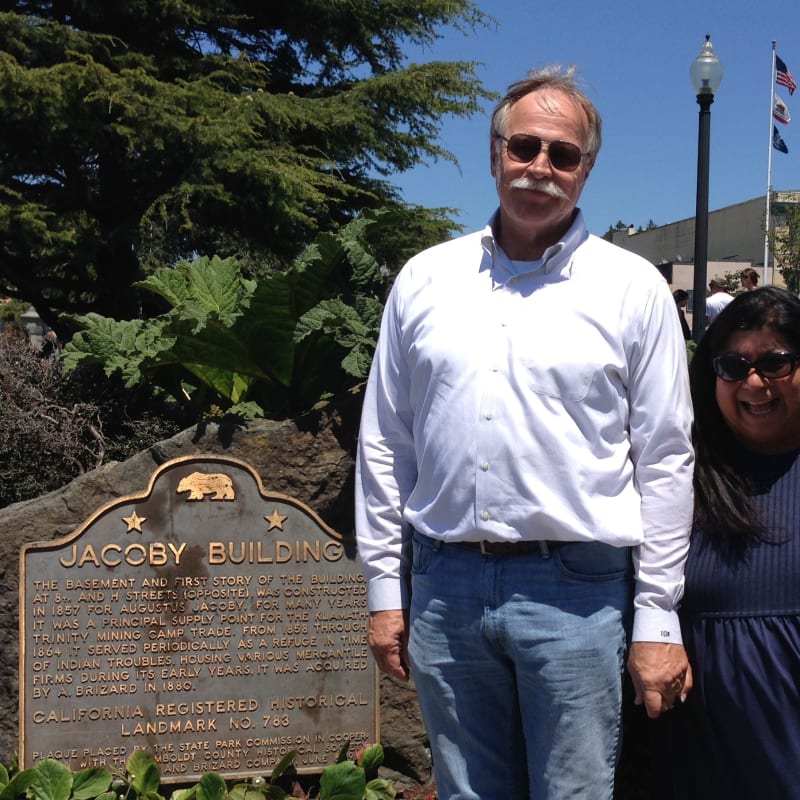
{"points": [[567, 379]]}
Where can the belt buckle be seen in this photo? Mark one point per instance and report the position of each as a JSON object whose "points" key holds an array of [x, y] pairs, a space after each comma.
{"points": [[483, 547]]}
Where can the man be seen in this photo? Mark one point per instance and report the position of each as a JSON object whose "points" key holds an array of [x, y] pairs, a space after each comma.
{"points": [[717, 301], [749, 278], [524, 452]]}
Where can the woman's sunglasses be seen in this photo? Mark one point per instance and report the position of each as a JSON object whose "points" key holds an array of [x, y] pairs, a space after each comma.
{"points": [[733, 367], [524, 147]]}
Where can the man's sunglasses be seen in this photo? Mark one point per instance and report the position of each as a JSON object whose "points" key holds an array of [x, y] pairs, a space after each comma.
{"points": [[524, 148], [733, 367]]}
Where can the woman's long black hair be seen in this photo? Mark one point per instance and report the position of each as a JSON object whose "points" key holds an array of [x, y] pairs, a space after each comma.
{"points": [[722, 504]]}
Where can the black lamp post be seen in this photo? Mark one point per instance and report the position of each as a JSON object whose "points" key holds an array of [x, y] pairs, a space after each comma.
{"points": [[706, 76]]}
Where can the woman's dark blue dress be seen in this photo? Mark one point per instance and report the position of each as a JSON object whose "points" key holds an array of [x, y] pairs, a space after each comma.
{"points": [[738, 734]]}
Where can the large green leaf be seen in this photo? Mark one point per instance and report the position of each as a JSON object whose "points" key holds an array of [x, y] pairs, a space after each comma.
{"points": [[344, 325], [119, 346], [364, 266], [269, 326], [233, 386], [379, 789], [246, 791], [184, 794], [108, 342], [332, 317], [312, 272], [203, 289], [211, 787], [143, 771], [342, 781], [358, 361], [284, 765], [371, 758], [19, 784], [54, 781], [91, 782], [219, 346]]}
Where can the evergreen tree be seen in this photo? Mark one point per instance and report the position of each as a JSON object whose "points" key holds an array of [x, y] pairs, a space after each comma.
{"points": [[139, 133]]}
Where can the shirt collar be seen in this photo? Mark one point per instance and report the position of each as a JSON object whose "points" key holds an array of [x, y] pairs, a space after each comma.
{"points": [[556, 258]]}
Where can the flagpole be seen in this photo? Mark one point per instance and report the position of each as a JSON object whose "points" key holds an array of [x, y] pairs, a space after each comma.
{"points": [[768, 278]]}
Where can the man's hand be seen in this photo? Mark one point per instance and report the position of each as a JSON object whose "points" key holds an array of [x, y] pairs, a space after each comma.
{"points": [[661, 675], [388, 638]]}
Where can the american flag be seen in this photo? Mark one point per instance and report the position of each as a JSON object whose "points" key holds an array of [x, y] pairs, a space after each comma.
{"points": [[783, 76]]}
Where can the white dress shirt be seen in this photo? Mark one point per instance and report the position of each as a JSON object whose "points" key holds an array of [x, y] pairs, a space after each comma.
{"points": [[511, 401]]}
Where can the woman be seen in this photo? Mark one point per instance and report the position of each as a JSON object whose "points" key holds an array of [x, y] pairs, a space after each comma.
{"points": [[681, 297], [738, 733]]}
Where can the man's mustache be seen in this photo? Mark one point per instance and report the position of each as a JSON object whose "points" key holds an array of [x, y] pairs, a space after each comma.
{"points": [[531, 184]]}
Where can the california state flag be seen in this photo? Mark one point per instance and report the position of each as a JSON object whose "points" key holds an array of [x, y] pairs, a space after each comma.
{"points": [[781, 111]]}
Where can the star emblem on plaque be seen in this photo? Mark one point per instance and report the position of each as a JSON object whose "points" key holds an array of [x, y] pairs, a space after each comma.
{"points": [[275, 520], [134, 522]]}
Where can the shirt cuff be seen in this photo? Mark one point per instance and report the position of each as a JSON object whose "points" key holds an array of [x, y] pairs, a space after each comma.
{"points": [[387, 593], [656, 625]]}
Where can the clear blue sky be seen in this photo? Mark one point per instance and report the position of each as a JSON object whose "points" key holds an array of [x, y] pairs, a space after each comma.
{"points": [[633, 58]]}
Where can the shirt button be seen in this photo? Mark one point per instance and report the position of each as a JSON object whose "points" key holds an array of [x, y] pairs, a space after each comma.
{"points": [[485, 466], [485, 516], [488, 415]]}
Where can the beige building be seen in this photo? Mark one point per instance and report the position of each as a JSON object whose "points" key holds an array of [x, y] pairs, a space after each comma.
{"points": [[736, 239]]}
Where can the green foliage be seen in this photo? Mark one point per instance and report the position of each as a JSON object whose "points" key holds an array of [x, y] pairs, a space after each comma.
{"points": [[16, 786], [784, 240], [731, 281], [143, 775], [134, 137], [620, 226], [12, 310], [52, 780], [273, 346], [691, 347]]}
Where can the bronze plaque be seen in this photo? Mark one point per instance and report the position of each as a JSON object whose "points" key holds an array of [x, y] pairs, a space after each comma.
{"points": [[214, 624]]}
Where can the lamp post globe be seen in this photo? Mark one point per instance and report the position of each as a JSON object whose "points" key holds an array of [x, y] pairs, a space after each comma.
{"points": [[706, 77], [706, 70]]}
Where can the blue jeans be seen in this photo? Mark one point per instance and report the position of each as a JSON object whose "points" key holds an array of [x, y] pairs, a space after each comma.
{"points": [[518, 662]]}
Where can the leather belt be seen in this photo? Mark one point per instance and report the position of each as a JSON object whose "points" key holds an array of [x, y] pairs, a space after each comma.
{"points": [[522, 548]]}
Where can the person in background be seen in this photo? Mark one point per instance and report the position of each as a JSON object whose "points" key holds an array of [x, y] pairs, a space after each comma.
{"points": [[717, 301], [681, 297], [51, 346], [738, 734], [749, 278], [524, 475]]}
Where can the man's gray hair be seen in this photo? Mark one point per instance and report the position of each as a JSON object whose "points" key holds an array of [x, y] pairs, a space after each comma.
{"points": [[554, 78]]}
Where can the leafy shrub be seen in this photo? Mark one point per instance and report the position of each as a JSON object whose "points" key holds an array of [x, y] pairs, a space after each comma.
{"points": [[52, 780], [11, 311], [268, 347]]}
